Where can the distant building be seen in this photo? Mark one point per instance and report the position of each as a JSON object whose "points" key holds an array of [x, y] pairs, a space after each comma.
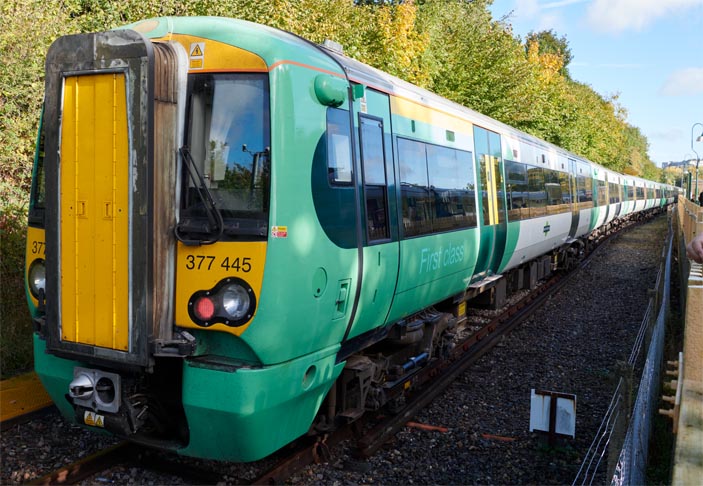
{"points": [[680, 164]]}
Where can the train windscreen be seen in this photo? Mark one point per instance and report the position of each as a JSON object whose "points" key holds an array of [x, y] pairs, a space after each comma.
{"points": [[228, 140]]}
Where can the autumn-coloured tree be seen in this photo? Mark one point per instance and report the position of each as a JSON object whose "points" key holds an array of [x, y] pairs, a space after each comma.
{"points": [[548, 42]]}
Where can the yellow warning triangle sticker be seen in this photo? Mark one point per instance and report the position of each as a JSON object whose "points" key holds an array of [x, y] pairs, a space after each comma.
{"points": [[99, 421], [89, 419], [196, 51]]}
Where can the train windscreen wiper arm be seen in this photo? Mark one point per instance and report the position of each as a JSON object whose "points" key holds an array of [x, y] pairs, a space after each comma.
{"points": [[204, 194]]}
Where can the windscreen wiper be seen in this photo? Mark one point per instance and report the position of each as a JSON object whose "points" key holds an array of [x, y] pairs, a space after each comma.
{"points": [[213, 214]]}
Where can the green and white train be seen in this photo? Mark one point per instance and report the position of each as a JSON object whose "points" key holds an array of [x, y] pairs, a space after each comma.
{"points": [[231, 225]]}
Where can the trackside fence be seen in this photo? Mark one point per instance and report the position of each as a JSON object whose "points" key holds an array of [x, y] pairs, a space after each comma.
{"points": [[688, 421], [618, 453]]}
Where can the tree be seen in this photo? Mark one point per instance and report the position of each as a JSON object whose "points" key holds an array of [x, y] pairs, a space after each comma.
{"points": [[474, 60], [548, 43]]}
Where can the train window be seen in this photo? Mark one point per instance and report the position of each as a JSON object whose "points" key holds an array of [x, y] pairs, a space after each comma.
{"points": [[537, 195], [614, 192], [602, 193], [584, 189], [552, 187], [630, 192], [375, 186], [437, 188], [565, 184], [38, 194], [339, 165], [640, 192], [372, 151], [229, 140], [453, 188], [414, 188], [516, 187]]}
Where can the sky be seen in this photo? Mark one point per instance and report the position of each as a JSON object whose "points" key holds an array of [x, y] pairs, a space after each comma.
{"points": [[648, 52]]}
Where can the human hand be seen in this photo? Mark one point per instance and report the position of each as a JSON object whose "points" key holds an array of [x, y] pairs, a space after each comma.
{"points": [[694, 249]]}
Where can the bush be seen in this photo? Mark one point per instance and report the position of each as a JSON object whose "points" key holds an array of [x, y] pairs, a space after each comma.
{"points": [[15, 320]]}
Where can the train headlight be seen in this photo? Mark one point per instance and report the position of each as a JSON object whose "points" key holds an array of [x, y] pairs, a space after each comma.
{"points": [[231, 302], [235, 301], [36, 277]]}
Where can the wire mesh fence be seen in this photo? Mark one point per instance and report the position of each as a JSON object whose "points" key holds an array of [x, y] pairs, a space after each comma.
{"points": [[621, 442]]}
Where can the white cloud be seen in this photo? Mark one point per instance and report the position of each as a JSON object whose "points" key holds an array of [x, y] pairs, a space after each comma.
{"points": [[562, 3], [685, 82], [526, 8], [532, 9], [619, 15], [551, 21]]}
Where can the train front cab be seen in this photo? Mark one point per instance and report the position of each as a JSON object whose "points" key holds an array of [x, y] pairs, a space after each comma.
{"points": [[123, 265]]}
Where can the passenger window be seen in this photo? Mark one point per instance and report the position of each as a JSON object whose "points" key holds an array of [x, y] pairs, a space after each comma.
{"points": [[565, 184], [613, 192], [537, 194], [438, 188], [452, 186], [516, 187], [553, 187], [584, 186], [375, 186], [339, 165], [602, 193], [414, 188]]}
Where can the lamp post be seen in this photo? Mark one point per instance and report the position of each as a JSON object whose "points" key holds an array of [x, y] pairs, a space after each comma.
{"points": [[684, 180], [698, 159], [684, 167]]}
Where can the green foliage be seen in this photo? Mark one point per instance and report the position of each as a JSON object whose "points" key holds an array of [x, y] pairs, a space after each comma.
{"points": [[549, 43], [21, 93], [22, 88], [474, 61], [15, 323]]}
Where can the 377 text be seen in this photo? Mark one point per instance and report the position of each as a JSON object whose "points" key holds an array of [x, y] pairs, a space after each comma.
{"points": [[38, 247]]}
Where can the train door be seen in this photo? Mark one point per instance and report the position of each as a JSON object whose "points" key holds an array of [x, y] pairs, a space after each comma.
{"points": [[492, 224], [575, 212], [379, 214]]}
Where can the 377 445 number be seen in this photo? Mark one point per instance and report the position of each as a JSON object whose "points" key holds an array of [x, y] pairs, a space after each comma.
{"points": [[205, 262]]}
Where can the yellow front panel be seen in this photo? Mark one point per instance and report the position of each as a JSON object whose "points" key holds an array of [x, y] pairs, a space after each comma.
{"points": [[208, 55], [202, 267], [94, 201]]}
